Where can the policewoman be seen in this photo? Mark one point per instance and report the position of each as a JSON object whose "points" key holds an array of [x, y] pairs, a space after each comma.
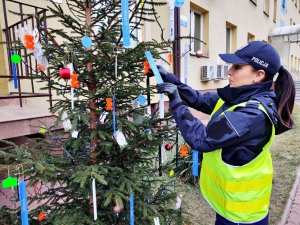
{"points": [[236, 171]]}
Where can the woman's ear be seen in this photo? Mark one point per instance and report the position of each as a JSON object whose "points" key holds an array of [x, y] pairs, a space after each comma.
{"points": [[260, 76]]}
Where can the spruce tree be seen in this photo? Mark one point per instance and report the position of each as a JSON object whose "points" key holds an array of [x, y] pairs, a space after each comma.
{"points": [[66, 165]]}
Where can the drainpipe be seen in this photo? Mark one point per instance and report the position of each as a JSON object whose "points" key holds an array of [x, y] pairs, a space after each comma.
{"points": [[176, 45], [176, 65]]}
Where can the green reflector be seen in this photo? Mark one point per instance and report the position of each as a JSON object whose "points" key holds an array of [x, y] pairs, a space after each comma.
{"points": [[15, 58], [10, 182]]}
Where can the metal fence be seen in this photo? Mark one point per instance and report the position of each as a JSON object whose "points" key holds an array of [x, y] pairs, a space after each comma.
{"points": [[30, 16]]}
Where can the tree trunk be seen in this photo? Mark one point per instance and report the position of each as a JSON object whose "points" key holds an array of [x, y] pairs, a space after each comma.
{"points": [[92, 90], [92, 103]]}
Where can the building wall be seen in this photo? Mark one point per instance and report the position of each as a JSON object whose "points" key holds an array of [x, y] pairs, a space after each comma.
{"points": [[3, 71], [26, 83], [246, 16], [249, 17]]}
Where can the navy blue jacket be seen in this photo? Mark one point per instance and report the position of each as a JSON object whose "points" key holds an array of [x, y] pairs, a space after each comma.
{"points": [[241, 133]]}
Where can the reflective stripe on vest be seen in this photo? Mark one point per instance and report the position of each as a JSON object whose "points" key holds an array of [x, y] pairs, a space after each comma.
{"points": [[238, 193]]}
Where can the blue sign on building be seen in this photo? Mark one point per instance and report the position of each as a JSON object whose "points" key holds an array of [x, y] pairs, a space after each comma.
{"points": [[283, 6]]}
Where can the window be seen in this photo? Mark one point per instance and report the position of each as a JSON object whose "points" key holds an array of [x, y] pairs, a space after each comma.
{"points": [[199, 29], [267, 7], [136, 33], [250, 37], [231, 37], [275, 11], [228, 39], [196, 30], [292, 61]]}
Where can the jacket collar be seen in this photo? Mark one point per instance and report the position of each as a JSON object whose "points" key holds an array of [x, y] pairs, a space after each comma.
{"points": [[232, 95]]}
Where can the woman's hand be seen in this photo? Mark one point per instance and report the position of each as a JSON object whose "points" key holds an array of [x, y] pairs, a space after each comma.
{"points": [[169, 89], [161, 70]]}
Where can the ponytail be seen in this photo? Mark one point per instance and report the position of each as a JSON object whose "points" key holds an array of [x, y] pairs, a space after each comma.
{"points": [[285, 92]]}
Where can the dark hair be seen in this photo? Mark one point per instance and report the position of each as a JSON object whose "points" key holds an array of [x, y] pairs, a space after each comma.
{"points": [[285, 92]]}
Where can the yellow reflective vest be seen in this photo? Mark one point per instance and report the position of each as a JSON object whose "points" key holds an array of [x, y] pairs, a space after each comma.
{"points": [[240, 194]]}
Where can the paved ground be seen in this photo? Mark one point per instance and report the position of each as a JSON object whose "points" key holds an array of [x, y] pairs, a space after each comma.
{"points": [[291, 215]]}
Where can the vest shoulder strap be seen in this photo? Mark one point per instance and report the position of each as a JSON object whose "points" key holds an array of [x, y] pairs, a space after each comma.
{"points": [[218, 105], [250, 103]]}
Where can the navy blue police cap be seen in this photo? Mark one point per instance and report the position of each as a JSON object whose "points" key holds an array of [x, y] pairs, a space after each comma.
{"points": [[258, 54]]}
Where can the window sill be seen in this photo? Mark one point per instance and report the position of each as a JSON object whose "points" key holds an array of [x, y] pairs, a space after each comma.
{"points": [[194, 55], [57, 1]]}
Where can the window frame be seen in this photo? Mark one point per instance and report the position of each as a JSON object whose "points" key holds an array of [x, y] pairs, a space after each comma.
{"points": [[192, 30], [233, 36], [230, 39], [267, 7], [137, 32], [275, 11], [250, 37]]}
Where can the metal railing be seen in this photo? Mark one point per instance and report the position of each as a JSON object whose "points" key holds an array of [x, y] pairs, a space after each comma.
{"points": [[295, 73], [28, 15]]}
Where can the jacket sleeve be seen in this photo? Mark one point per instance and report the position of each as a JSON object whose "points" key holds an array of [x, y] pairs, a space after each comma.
{"points": [[193, 98], [229, 129]]}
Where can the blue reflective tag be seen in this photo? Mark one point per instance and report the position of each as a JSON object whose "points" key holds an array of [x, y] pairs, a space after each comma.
{"points": [[23, 203], [125, 23], [154, 67], [195, 163]]}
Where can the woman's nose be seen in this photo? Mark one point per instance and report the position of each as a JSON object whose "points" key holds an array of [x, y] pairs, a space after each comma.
{"points": [[230, 71]]}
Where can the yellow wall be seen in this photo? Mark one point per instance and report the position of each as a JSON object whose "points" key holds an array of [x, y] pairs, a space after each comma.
{"points": [[245, 16], [8, 86], [3, 81]]}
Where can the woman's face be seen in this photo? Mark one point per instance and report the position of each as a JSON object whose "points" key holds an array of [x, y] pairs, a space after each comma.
{"points": [[240, 75]]}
